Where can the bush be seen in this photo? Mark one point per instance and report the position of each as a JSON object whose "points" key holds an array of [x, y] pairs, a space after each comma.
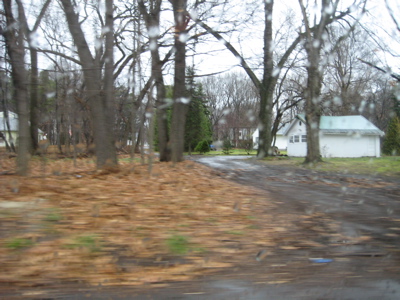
{"points": [[227, 147], [247, 145], [203, 147]]}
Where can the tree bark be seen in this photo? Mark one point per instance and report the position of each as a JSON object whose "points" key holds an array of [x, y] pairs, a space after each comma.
{"points": [[15, 47], [267, 87], [180, 95]]}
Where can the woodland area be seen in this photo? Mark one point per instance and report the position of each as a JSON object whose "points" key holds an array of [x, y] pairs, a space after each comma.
{"points": [[113, 74]]}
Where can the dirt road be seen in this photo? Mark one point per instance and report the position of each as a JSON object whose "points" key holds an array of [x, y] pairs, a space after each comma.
{"points": [[352, 220]]}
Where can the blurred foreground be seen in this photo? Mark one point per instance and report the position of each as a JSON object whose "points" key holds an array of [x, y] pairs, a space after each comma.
{"points": [[191, 232]]}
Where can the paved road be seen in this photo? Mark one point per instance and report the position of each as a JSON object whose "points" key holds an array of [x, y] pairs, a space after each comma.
{"points": [[353, 221]]}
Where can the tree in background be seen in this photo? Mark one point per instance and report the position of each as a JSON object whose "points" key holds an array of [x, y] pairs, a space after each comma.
{"points": [[198, 124], [391, 144]]}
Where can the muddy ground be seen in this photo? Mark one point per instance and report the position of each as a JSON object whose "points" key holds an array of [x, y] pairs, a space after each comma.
{"points": [[340, 241]]}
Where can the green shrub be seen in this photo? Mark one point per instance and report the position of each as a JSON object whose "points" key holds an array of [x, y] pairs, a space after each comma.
{"points": [[202, 147], [246, 145], [227, 146], [391, 143]]}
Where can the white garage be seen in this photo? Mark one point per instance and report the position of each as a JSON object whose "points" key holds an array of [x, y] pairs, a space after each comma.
{"points": [[340, 136]]}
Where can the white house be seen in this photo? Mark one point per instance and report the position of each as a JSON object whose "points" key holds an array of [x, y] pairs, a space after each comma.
{"points": [[281, 139], [13, 122], [340, 136]]}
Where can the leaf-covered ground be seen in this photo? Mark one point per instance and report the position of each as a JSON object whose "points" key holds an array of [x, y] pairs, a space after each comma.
{"points": [[66, 222]]}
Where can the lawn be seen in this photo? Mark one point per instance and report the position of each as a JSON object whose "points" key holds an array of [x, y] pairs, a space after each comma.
{"points": [[234, 151], [386, 165]]}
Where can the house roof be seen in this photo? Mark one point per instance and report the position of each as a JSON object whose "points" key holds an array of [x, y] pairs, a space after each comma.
{"points": [[344, 125], [13, 120]]}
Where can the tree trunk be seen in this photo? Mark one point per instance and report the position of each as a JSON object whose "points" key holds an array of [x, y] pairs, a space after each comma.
{"points": [[34, 118], [181, 99], [267, 87], [312, 108], [108, 88], [16, 51]]}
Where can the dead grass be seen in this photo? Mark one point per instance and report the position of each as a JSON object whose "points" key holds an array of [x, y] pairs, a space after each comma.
{"points": [[70, 223]]}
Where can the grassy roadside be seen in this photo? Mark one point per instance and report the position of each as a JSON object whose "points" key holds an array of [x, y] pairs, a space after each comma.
{"points": [[386, 165], [234, 151]]}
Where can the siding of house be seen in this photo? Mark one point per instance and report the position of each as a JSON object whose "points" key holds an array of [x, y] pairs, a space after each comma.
{"points": [[349, 146], [296, 145], [281, 140]]}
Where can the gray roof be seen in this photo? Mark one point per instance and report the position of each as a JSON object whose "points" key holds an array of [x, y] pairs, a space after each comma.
{"points": [[345, 125]]}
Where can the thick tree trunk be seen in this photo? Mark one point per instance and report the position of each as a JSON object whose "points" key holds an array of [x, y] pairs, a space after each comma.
{"points": [[181, 99], [108, 88], [312, 108], [267, 87]]}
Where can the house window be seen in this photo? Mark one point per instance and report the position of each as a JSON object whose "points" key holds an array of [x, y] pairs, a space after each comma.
{"points": [[304, 138], [296, 138], [291, 139]]}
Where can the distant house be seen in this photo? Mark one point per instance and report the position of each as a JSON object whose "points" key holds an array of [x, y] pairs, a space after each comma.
{"points": [[340, 136], [281, 139], [238, 134], [13, 122]]}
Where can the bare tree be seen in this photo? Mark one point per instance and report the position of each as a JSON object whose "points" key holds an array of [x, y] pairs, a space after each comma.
{"points": [[34, 71], [101, 104], [151, 15], [315, 38]]}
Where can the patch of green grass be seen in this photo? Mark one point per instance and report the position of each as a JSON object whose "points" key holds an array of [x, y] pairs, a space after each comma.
{"points": [[234, 151], [253, 227], [386, 165], [18, 243], [53, 215], [178, 244], [234, 232], [90, 242]]}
